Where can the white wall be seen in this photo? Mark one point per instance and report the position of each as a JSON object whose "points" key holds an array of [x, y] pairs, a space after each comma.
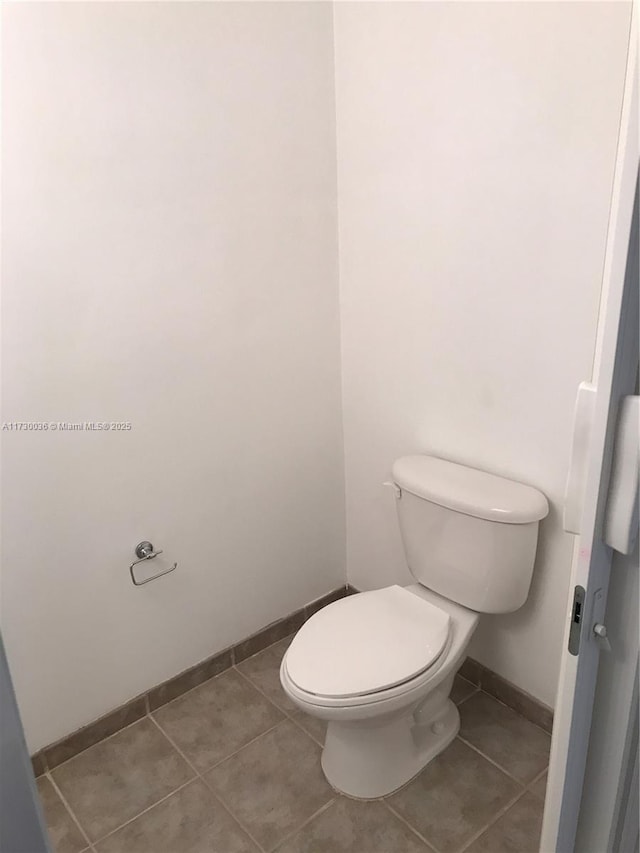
{"points": [[169, 260], [476, 146]]}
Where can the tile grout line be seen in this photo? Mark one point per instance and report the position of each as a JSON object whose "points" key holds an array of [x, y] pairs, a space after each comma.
{"points": [[518, 691], [492, 822], [231, 754], [145, 694], [513, 710], [466, 698], [198, 775], [290, 715], [150, 711], [535, 781], [403, 820], [261, 692], [58, 743], [524, 788], [65, 803], [538, 777], [232, 814], [287, 715], [304, 824], [247, 678], [97, 743], [343, 591], [245, 745], [206, 783], [304, 731], [231, 649], [190, 690], [523, 785], [144, 811], [231, 666], [219, 796]]}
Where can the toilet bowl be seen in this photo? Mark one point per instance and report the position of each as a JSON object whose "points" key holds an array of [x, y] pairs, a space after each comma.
{"points": [[379, 666], [386, 703]]}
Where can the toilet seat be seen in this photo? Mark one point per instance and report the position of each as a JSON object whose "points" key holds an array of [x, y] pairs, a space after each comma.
{"points": [[367, 643]]}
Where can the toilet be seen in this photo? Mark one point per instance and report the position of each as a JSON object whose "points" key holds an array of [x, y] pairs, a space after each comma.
{"points": [[379, 666]]}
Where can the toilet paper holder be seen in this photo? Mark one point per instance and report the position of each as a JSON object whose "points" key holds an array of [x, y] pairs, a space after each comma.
{"points": [[144, 551]]}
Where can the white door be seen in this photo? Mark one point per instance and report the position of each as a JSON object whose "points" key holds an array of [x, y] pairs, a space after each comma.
{"points": [[589, 489]]}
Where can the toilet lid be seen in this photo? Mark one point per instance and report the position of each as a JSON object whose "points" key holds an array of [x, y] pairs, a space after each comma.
{"points": [[367, 642]]}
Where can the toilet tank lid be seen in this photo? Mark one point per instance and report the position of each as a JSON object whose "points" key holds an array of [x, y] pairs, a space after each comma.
{"points": [[469, 491]]}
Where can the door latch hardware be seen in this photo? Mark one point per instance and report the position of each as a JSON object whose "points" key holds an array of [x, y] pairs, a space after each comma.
{"points": [[601, 636], [575, 627]]}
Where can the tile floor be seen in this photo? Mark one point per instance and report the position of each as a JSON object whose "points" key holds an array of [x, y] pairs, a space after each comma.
{"points": [[233, 767]]}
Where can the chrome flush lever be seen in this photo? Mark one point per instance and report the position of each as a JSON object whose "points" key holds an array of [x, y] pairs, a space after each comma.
{"points": [[396, 488]]}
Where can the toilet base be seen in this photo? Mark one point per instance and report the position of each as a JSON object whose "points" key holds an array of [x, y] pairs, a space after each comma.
{"points": [[372, 758]]}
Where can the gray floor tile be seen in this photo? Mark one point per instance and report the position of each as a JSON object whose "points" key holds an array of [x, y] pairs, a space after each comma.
{"points": [[64, 834], [95, 732], [517, 831], [511, 696], [263, 670], [312, 725], [217, 718], [539, 787], [348, 826], [274, 784], [461, 689], [457, 794], [190, 821], [116, 779], [514, 743]]}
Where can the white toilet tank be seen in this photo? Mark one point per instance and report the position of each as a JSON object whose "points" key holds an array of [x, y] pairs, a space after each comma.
{"points": [[468, 535]]}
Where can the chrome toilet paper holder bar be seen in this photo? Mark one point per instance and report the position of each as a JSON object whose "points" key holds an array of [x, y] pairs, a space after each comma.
{"points": [[144, 551]]}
